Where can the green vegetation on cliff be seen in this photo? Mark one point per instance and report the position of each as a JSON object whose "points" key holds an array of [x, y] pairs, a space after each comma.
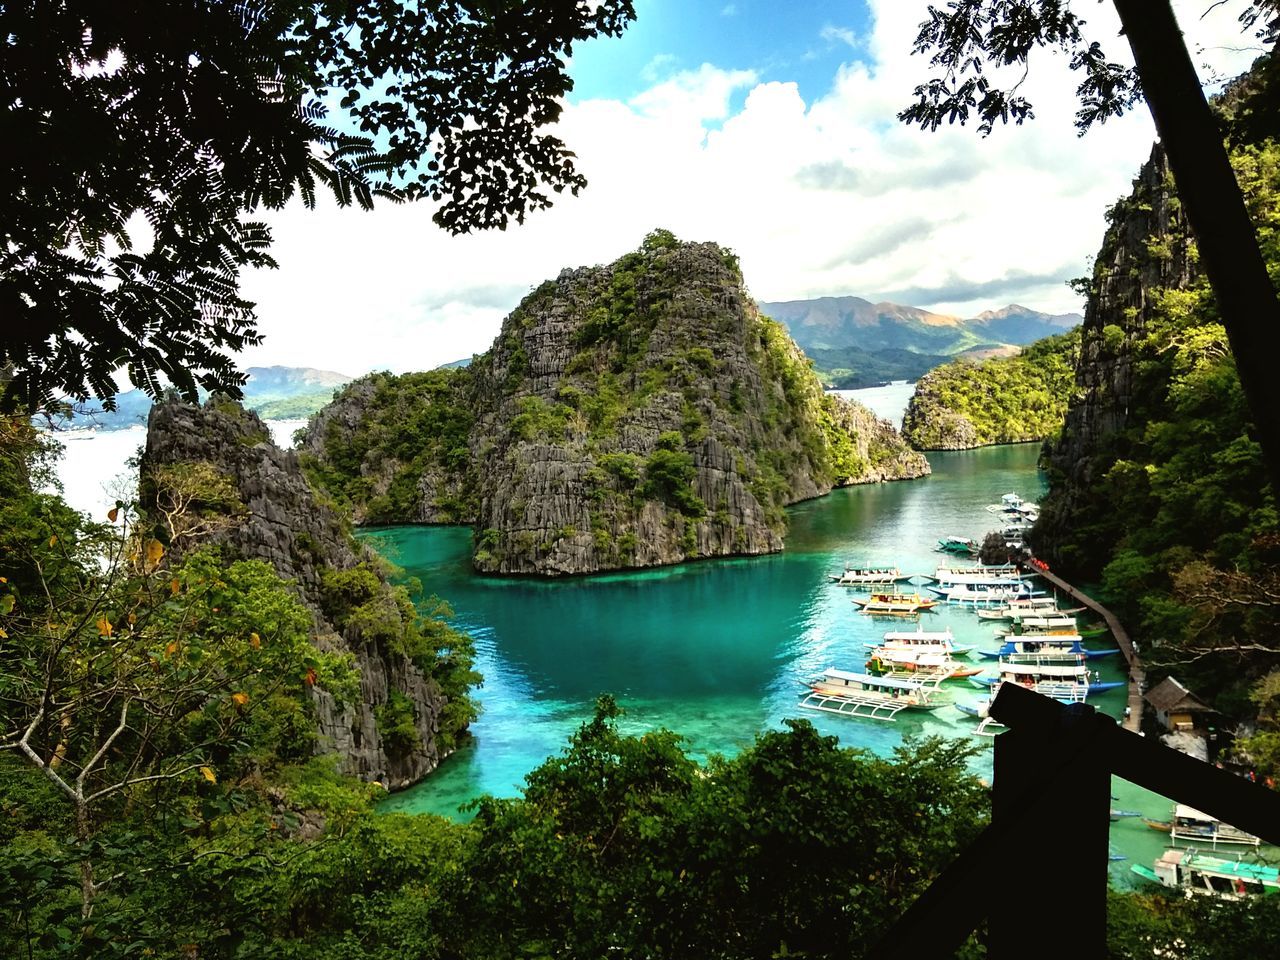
{"points": [[627, 415], [966, 404], [401, 428], [1157, 487]]}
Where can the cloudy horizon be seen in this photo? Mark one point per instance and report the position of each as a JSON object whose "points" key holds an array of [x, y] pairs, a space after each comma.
{"points": [[775, 136]]}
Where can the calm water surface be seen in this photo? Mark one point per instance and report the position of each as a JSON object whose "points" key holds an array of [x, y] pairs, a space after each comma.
{"points": [[715, 650]]}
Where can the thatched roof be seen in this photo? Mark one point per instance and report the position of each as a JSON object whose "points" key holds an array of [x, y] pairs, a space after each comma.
{"points": [[1169, 696]]}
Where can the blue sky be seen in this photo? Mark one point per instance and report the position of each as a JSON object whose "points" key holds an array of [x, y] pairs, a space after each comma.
{"points": [[802, 42], [770, 129]]}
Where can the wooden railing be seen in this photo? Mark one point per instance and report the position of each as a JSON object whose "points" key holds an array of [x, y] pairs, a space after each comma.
{"points": [[1041, 864]]}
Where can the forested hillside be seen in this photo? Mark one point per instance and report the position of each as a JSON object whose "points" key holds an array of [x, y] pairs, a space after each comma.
{"points": [[967, 403], [1157, 487], [855, 343]]}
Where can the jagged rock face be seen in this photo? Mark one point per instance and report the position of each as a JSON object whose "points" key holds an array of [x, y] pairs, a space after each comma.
{"points": [[394, 448], [1145, 250], [644, 413], [286, 525], [628, 415], [930, 426]]}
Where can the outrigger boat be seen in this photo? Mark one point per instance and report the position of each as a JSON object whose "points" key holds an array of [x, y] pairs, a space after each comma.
{"points": [[992, 569], [1001, 576], [886, 661], [933, 641], [877, 698], [970, 594], [1198, 875], [1061, 676], [959, 545], [1044, 624], [856, 576], [894, 603], [1021, 607], [1189, 825], [1065, 644]]}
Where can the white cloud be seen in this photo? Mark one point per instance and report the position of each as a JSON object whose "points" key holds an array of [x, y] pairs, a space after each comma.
{"points": [[832, 196], [833, 34], [729, 10], [659, 65]]}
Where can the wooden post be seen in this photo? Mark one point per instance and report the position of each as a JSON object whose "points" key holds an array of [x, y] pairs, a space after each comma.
{"points": [[1068, 820]]}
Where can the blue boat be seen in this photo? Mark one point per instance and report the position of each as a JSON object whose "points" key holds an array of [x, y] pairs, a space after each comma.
{"points": [[1056, 688], [1066, 644]]}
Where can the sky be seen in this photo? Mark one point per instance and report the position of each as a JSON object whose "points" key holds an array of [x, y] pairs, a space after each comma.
{"points": [[771, 129]]}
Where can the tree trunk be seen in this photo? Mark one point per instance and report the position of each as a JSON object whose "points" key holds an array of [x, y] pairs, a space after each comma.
{"points": [[84, 832], [1215, 209]]}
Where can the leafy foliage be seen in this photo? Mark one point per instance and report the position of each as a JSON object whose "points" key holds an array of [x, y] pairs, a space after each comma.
{"points": [[999, 400], [192, 116], [1178, 521], [964, 39], [408, 425]]}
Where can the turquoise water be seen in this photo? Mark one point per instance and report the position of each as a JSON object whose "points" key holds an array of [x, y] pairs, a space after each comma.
{"points": [[717, 650], [714, 650]]}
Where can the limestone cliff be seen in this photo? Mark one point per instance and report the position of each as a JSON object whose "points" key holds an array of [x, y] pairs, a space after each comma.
{"points": [[1146, 252], [628, 415], [282, 521]]}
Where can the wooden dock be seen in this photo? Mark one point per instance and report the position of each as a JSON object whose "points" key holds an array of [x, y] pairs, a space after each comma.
{"points": [[1137, 675]]}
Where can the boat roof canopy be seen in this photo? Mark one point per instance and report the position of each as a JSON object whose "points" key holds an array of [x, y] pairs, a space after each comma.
{"points": [[1191, 813], [868, 678]]}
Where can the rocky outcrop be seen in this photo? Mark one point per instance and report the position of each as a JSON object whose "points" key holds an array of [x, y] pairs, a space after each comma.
{"points": [[631, 415], [978, 403], [282, 521], [1146, 251], [929, 425], [394, 449]]}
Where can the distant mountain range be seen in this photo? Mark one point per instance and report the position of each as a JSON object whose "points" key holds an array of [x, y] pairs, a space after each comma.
{"points": [[856, 343], [275, 393]]}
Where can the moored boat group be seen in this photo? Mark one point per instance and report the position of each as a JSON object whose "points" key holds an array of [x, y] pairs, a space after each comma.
{"points": [[1035, 643]]}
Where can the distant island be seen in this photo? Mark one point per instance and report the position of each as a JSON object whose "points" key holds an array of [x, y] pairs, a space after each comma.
{"points": [[274, 393], [629, 415], [1001, 399], [856, 343]]}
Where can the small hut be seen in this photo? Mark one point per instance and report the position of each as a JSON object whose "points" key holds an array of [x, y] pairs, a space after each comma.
{"points": [[1176, 707]]}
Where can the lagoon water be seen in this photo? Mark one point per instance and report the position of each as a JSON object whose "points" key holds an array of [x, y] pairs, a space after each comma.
{"points": [[715, 650]]}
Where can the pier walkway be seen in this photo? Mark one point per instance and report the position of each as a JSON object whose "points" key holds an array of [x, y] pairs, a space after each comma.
{"points": [[1137, 675]]}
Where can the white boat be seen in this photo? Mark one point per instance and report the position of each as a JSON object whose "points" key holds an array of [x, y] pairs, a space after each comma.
{"points": [[990, 726], [863, 695], [1189, 825], [1003, 576], [1046, 620], [856, 576], [1009, 503], [964, 593], [938, 641], [1198, 875], [1057, 675], [1065, 643], [897, 662], [1022, 607], [1029, 625]]}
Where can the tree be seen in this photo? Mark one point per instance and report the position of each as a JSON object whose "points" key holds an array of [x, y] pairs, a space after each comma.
{"points": [[118, 677], [189, 115], [969, 35]]}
